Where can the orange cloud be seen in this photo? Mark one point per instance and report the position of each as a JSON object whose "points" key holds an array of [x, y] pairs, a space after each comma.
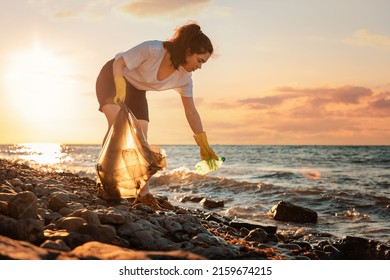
{"points": [[322, 115], [266, 102], [317, 102], [314, 96], [381, 104]]}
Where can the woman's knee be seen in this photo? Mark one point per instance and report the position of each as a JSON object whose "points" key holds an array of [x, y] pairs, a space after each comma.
{"points": [[111, 111]]}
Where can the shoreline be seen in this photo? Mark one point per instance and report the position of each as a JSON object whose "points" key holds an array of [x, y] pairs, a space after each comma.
{"points": [[57, 215]]}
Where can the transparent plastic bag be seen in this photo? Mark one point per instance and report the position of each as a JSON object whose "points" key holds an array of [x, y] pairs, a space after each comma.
{"points": [[126, 161]]}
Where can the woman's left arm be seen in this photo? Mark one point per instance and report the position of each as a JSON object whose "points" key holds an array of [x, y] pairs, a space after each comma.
{"points": [[192, 115], [193, 118]]}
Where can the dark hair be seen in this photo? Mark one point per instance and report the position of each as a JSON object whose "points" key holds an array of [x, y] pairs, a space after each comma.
{"points": [[190, 38]]}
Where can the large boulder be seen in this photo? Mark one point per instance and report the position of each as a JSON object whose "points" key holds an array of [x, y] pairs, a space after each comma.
{"points": [[288, 212]]}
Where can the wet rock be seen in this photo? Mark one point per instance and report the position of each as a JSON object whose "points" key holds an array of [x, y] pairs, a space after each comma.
{"points": [[251, 226], [331, 249], [165, 204], [258, 234], [291, 246], [211, 204], [187, 198], [304, 245], [217, 218], [286, 211], [182, 211], [358, 248], [209, 239], [304, 231], [321, 255]]}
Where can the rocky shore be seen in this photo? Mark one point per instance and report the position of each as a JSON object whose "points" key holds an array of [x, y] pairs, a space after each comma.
{"points": [[57, 216]]}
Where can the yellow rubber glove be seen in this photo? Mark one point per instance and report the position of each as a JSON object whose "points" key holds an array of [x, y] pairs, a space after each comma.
{"points": [[206, 153], [120, 89]]}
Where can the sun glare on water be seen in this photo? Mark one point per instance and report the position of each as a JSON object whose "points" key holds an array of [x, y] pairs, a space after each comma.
{"points": [[41, 153]]}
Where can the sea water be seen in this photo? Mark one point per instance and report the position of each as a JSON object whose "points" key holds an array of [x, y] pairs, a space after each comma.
{"points": [[348, 186]]}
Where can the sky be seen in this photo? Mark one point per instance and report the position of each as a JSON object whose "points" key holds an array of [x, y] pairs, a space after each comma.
{"points": [[302, 72]]}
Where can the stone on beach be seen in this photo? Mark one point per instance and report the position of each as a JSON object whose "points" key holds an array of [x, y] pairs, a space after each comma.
{"points": [[286, 211]]}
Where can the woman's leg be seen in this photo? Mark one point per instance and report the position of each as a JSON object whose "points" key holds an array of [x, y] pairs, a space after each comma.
{"points": [[110, 111]]}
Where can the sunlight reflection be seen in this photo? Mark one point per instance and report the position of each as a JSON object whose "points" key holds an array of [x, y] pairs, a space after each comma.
{"points": [[41, 153]]}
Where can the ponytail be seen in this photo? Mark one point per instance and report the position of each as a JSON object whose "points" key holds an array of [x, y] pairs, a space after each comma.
{"points": [[188, 39]]}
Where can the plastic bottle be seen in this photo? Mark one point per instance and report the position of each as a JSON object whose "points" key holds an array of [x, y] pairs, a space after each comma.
{"points": [[206, 166]]}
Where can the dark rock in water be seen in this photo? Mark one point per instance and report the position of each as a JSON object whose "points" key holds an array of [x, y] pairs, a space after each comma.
{"points": [[331, 249], [251, 226], [210, 204], [286, 211], [217, 218], [187, 198], [358, 248]]}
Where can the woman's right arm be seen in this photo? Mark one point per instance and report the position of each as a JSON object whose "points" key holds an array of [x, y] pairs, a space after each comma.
{"points": [[118, 67], [120, 82]]}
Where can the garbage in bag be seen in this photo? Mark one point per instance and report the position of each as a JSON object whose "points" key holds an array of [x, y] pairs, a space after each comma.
{"points": [[126, 161]]}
